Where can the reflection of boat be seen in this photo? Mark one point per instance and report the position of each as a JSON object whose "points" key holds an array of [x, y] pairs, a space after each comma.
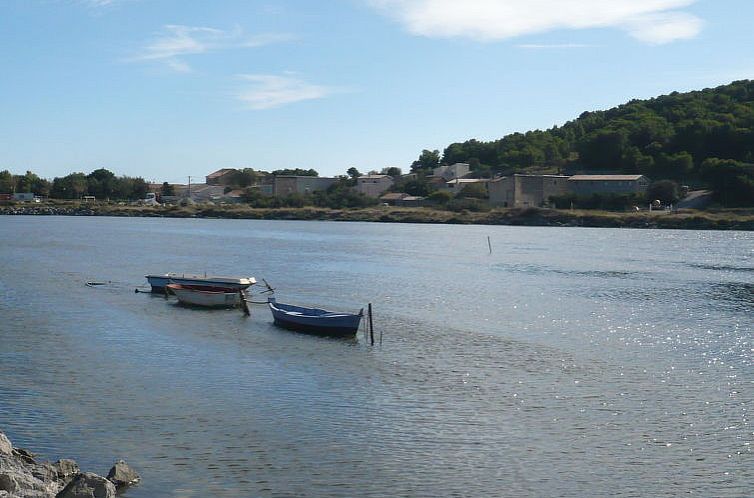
{"points": [[313, 320], [158, 282], [208, 296]]}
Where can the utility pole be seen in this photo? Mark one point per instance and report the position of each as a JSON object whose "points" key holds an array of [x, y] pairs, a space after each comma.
{"points": [[189, 187]]}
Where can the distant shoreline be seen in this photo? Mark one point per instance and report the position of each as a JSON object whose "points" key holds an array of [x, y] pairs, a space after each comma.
{"points": [[689, 220]]}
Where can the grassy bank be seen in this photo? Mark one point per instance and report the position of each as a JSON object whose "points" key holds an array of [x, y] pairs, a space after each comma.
{"points": [[697, 220]]}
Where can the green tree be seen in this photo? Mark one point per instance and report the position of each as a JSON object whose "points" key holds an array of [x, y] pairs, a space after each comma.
{"points": [[665, 137], [167, 189], [732, 181], [428, 159], [666, 191], [245, 177], [393, 171], [603, 149], [475, 191], [7, 183], [440, 197], [677, 166], [418, 187], [100, 183], [342, 195], [72, 186], [129, 188], [30, 182], [295, 172]]}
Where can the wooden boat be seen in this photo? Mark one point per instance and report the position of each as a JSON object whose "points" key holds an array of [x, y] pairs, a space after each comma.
{"points": [[207, 296], [314, 320], [159, 282]]}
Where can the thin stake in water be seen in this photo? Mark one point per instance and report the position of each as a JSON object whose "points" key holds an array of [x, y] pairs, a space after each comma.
{"points": [[371, 325]]}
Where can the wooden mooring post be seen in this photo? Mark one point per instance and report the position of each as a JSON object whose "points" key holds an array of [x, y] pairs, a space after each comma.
{"points": [[371, 325], [244, 304]]}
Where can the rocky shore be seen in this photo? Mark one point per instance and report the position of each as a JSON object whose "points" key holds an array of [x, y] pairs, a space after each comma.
{"points": [[21, 476], [684, 219]]}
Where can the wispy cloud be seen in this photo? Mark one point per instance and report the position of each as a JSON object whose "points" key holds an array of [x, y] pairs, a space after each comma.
{"points": [[267, 91], [650, 21], [176, 42]]}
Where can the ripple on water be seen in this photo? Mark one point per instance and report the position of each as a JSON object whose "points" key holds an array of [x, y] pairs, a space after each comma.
{"points": [[542, 369]]}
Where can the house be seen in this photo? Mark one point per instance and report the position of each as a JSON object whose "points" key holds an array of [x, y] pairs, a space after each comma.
{"points": [[373, 185], [198, 192], [526, 190], [608, 184], [220, 177], [284, 185], [411, 201], [457, 170], [393, 198], [457, 185], [23, 196], [235, 196]]}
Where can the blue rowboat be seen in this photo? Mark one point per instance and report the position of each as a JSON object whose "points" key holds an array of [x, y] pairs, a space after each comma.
{"points": [[159, 282], [314, 320]]}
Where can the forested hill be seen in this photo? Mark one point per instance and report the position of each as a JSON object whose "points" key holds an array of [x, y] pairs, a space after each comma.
{"points": [[687, 137]]}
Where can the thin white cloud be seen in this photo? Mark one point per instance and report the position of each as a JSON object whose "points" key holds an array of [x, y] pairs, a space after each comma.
{"points": [[664, 27], [269, 91], [177, 41], [650, 21]]}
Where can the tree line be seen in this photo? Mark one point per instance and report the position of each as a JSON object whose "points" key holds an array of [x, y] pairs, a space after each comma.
{"points": [[702, 138], [100, 183]]}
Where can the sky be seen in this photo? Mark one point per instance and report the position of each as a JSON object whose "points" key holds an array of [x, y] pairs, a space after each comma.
{"points": [[166, 89]]}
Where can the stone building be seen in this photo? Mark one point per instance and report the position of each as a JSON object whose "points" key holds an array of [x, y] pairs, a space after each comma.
{"points": [[608, 184], [526, 190], [373, 185]]}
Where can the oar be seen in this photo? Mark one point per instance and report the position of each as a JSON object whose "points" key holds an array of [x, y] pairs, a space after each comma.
{"points": [[269, 290]]}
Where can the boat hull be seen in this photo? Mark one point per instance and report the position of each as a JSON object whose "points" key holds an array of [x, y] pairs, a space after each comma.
{"points": [[314, 321], [329, 331], [207, 297], [160, 282]]}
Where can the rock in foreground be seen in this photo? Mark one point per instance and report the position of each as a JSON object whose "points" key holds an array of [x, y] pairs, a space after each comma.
{"points": [[123, 475], [88, 485], [23, 477]]}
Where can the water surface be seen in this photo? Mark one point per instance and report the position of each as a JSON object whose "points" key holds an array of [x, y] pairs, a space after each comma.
{"points": [[568, 362]]}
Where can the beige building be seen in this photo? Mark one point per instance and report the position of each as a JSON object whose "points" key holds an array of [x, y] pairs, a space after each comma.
{"points": [[373, 185], [526, 190], [288, 184], [608, 184], [457, 170], [220, 177]]}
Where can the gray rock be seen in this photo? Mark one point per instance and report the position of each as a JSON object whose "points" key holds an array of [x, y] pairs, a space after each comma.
{"points": [[24, 454], [88, 485], [123, 475], [22, 477], [66, 468], [8, 483], [5, 447]]}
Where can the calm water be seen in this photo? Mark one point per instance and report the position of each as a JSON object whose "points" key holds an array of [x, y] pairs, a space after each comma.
{"points": [[569, 362]]}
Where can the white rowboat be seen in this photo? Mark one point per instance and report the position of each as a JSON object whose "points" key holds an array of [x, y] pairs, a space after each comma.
{"points": [[207, 296]]}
